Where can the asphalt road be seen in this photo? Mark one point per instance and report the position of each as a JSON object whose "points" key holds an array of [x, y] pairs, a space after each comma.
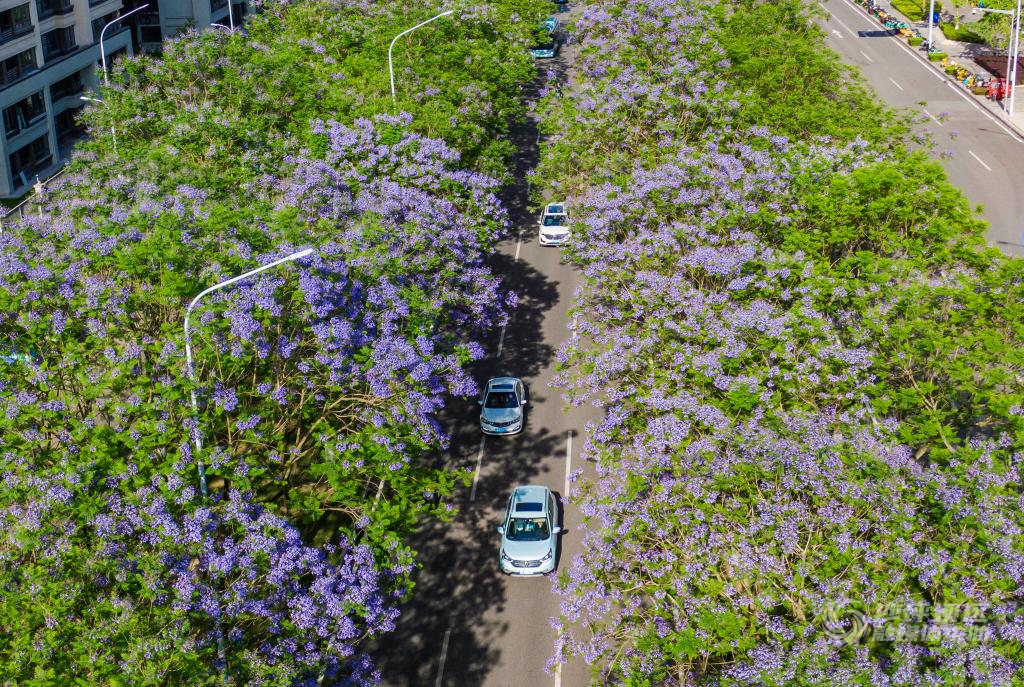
{"points": [[467, 624], [987, 160]]}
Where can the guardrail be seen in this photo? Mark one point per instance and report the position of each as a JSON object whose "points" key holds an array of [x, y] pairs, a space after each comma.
{"points": [[19, 210]]}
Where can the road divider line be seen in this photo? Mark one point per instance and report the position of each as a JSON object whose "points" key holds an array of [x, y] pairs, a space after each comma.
{"points": [[896, 84], [501, 341], [980, 161], [568, 464], [476, 473], [866, 56], [934, 119], [444, 655], [519, 243]]}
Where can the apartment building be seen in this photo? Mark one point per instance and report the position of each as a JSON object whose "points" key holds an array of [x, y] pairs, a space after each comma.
{"points": [[49, 50], [164, 18]]}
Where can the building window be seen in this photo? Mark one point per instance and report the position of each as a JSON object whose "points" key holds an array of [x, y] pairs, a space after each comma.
{"points": [[150, 34], [17, 66], [58, 42], [67, 125], [15, 22], [98, 24], [33, 158], [71, 85], [48, 8], [216, 5], [24, 114]]}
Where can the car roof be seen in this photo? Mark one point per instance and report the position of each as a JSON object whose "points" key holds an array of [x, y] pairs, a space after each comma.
{"points": [[533, 493], [498, 381], [550, 23]]}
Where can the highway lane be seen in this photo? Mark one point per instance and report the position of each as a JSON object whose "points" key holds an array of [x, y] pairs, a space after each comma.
{"points": [[987, 160], [466, 624]]}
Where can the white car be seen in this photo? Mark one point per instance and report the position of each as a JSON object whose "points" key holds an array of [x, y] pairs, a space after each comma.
{"points": [[529, 532], [501, 406], [554, 225]]}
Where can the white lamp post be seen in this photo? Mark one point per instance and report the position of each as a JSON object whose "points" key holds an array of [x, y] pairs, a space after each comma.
{"points": [[103, 54], [195, 407], [391, 69], [1012, 54], [931, 22], [113, 133], [188, 346]]}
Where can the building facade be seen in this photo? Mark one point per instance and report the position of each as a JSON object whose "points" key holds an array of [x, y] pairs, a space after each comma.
{"points": [[164, 18], [49, 50]]}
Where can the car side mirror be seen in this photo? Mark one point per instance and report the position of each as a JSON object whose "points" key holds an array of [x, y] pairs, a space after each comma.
{"points": [[523, 402], [479, 401], [556, 530], [501, 529]]}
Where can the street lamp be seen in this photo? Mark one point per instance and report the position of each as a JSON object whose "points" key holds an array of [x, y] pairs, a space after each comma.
{"points": [[931, 22], [221, 26], [113, 133], [195, 407], [1012, 55], [188, 348], [103, 55], [391, 69]]}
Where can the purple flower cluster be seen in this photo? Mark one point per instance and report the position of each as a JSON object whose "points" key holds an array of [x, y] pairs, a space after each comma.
{"points": [[746, 486]]}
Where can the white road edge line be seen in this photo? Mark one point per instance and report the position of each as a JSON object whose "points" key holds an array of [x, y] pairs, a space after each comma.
{"points": [[980, 161], [896, 84], [476, 473], [501, 340], [568, 463], [924, 63], [519, 243], [866, 56], [932, 116], [444, 655]]}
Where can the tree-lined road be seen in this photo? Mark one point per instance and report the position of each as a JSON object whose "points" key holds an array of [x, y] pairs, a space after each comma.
{"points": [[987, 160], [466, 623]]}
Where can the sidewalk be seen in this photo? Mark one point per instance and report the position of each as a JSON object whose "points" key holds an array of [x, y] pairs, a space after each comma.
{"points": [[961, 53]]}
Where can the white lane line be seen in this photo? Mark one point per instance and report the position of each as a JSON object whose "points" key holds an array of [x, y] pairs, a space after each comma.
{"points": [[866, 56], [924, 63], [932, 116], [980, 161], [476, 474], [568, 464], [836, 32], [896, 84], [501, 340], [840, 21], [444, 655], [519, 243]]}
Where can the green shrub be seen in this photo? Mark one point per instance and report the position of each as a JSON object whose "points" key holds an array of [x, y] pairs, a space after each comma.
{"points": [[937, 56], [916, 40], [961, 34], [911, 9]]}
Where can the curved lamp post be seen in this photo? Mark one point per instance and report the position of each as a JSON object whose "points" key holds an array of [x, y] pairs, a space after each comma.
{"points": [[103, 55], [113, 133], [195, 412], [391, 69]]}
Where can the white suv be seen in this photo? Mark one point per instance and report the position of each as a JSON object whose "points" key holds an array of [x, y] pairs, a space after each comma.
{"points": [[554, 229]]}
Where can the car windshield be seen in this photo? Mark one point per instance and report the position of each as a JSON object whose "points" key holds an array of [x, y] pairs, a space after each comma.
{"points": [[501, 399], [527, 529], [554, 220]]}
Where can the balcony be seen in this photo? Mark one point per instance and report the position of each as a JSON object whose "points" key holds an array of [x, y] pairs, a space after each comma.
{"points": [[49, 8], [66, 87], [13, 32], [59, 42], [217, 5]]}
